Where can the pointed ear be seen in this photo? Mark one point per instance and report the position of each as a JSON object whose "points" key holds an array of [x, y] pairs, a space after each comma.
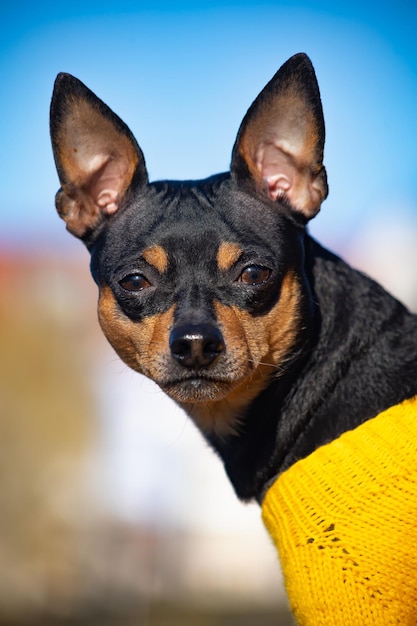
{"points": [[279, 146], [96, 156]]}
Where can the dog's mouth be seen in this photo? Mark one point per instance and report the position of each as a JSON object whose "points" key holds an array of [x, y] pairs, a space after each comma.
{"points": [[217, 404], [198, 387]]}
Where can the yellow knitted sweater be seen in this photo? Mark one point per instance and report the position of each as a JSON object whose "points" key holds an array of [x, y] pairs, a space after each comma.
{"points": [[344, 521]]}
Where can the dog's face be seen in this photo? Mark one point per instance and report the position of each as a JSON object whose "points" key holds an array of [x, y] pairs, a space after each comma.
{"points": [[202, 284], [201, 291]]}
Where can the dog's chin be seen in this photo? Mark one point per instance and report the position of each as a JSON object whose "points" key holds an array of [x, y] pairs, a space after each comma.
{"points": [[197, 390]]}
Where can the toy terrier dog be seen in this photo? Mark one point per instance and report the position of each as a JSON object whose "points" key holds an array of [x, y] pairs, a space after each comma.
{"points": [[215, 290]]}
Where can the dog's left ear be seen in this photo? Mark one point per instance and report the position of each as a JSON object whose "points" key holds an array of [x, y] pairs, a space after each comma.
{"points": [[280, 143], [97, 158]]}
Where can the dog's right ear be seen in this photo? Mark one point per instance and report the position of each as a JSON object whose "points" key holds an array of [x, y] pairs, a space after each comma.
{"points": [[97, 158]]}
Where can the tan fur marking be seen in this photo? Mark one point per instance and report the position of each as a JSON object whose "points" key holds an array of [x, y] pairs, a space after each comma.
{"points": [[224, 416], [141, 345], [228, 254], [156, 256], [270, 337]]}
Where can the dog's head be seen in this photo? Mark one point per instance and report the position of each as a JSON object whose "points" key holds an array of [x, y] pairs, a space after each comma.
{"points": [[202, 284]]}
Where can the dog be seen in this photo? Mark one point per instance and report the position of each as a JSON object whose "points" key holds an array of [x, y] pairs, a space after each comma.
{"points": [[215, 290]]}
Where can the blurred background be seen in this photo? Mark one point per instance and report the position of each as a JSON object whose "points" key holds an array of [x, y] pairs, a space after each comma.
{"points": [[112, 508]]}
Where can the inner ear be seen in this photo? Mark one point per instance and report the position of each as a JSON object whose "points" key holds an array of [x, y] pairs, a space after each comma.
{"points": [[96, 155], [281, 139]]}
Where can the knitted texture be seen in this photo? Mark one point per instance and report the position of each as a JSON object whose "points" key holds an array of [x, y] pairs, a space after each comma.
{"points": [[344, 521]]}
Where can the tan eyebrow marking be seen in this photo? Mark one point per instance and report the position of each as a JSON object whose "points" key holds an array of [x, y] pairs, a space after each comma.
{"points": [[156, 256], [227, 254]]}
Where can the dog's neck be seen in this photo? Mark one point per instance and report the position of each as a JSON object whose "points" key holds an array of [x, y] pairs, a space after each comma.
{"points": [[360, 365]]}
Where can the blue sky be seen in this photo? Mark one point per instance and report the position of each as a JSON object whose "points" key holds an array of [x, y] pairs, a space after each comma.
{"points": [[183, 74]]}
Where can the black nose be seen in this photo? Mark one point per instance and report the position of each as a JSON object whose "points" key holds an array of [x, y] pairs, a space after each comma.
{"points": [[196, 346]]}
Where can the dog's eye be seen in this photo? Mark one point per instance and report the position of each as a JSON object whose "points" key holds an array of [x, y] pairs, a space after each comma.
{"points": [[255, 275], [134, 282]]}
